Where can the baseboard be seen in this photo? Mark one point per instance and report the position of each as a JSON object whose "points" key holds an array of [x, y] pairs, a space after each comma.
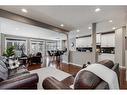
{"points": [[65, 62], [75, 64]]}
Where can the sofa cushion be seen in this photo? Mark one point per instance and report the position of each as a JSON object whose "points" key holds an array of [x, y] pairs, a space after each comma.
{"points": [[3, 64], [18, 72], [3, 61], [3, 71], [12, 63]]}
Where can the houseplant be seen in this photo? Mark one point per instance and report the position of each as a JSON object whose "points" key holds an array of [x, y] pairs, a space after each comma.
{"points": [[11, 61], [9, 52]]}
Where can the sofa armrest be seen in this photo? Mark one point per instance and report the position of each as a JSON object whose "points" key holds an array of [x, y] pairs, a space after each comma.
{"points": [[117, 70], [28, 81], [52, 83]]}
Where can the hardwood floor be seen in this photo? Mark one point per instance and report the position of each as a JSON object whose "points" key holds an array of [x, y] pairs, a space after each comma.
{"points": [[124, 86], [34, 66], [69, 68]]}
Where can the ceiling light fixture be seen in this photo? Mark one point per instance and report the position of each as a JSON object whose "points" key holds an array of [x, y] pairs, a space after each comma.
{"points": [[89, 27], [113, 28], [78, 30], [97, 9], [16, 28], [110, 21], [62, 25], [24, 10], [76, 35]]}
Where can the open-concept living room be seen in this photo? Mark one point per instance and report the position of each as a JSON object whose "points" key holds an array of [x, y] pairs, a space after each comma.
{"points": [[63, 47]]}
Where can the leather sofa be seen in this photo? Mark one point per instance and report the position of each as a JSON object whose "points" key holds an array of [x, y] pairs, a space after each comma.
{"points": [[85, 80], [24, 81], [13, 76], [19, 78]]}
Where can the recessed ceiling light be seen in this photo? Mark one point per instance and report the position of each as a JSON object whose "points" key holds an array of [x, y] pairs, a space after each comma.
{"points": [[16, 28], [24, 10], [62, 25], [110, 21], [78, 30], [77, 35], [97, 9], [89, 27], [113, 28]]}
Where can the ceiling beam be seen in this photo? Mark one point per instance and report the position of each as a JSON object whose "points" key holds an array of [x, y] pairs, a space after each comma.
{"points": [[23, 19]]}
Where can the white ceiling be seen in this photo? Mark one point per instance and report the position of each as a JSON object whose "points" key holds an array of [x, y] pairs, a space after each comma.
{"points": [[75, 17]]}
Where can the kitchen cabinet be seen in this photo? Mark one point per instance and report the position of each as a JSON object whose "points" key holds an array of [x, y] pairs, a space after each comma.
{"points": [[108, 40], [84, 42], [105, 40]]}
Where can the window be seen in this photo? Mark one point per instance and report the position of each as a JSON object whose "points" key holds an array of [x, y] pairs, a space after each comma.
{"points": [[50, 45], [37, 46]]}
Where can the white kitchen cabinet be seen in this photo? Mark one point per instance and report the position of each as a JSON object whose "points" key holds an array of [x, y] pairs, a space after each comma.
{"points": [[105, 40], [108, 40], [84, 42]]}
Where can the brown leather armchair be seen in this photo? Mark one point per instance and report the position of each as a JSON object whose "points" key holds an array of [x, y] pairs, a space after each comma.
{"points": [[25, 81], [16, 78], [85, 80], [19, 78]]}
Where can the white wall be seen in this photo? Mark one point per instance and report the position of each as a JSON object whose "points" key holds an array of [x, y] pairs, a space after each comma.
{"points": [[11, 27]]}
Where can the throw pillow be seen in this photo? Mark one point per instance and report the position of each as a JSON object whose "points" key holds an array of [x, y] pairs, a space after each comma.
{"points": [[12, 64], [3, 71]]}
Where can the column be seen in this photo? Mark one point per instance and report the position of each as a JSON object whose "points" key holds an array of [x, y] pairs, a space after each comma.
{"points": [[120, 46], [120, 53], [94, 42], [68, 54]]}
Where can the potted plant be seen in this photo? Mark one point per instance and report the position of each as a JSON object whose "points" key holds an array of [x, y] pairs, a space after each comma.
{"points": [[10, 59], [9, 52]]}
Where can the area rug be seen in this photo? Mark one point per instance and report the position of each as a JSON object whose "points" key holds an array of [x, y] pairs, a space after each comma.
{"points": [[49, 71]]}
